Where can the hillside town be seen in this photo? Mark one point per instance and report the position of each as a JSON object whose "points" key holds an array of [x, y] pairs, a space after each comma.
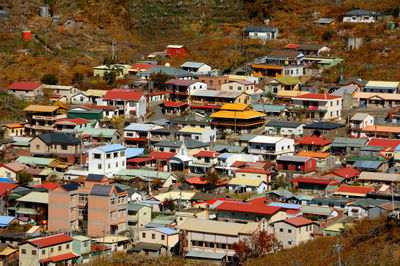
{"points": [[197, 163]]}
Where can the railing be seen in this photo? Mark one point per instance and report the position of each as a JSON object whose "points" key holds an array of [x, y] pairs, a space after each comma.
{"points": [[50, 128], [50, 118]]}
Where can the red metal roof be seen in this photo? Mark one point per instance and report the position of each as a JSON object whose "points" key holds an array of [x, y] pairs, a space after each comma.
{"points": [[314, 141], [161, 155], [76, 121], [58, 258], [197, 181], [347, 172], [317, 96], [259, 200], [182, 82], [51, 240], [6, 186], [127, 95], [135, 139], [212, 201], [252, 170], [24, 86], [140, 66], [173, 104], [354, 189], [292, 212], [209, 154], [98, 107], [48, 185], [205, 106], [292, 46], [239, 163], [393, 143], [298, 221], [313, 180], [138, 160], [247, 207]]}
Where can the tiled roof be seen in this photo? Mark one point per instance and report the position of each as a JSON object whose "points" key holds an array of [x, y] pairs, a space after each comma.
{"points": [[127, 95], [347, 172], [50, 240], [210, 154], [317, 96], [59, 258], [314, 141], [25, 86], [247, 207], [7, 186], [384, 142], [174, 104], [48, 185], [298, 221], [345, 189]]}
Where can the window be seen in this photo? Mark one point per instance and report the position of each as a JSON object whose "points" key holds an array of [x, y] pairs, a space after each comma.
{"points": [[162, 237], [59, 248], [112, 201], [33, 252], [123, 163], [331, 104], [289, 243], [153, 236], [64, 147], [116, 164], [37, 146], [115, 154], [51, 250], [99, 166], [96, 156], [109, 165], [43, 251], [281, 230], [67, 246], [85, 244], [289, 231], [108, 156], [231, 87], [23, 251], [144, 235]]}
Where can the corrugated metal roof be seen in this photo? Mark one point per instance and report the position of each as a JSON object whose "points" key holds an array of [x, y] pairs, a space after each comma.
{"points": [[245, 182], [367, 164], [192, 64], [110, 148], [283, 124], [141, 127], [268, 108], [301, 159], [95, 132], [205, 255], [36, 197], [211, 226], [192, 130], [34, 160], [41, 108]]}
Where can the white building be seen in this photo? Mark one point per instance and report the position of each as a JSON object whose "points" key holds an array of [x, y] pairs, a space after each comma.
{"points": [[62, 90], [271, 147], [201, 134], [197, 68], [284, 128], [320, 105], [360, 16], [107, 160], [240, 86], [294, 231], [261, 32], [226, 161], [358, 122], [28, 91]]}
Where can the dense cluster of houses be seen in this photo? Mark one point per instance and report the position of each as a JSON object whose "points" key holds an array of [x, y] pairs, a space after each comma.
{"points": [[197, 166]]}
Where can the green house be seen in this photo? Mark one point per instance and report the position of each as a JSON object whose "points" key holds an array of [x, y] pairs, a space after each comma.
{"points": [[84, 113], [81, 247]]}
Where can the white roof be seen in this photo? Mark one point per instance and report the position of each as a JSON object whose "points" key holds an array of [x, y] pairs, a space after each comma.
{"points": [[359, 116], [383, 84], [58, 87], [384, 96], [216, 227], [174, 46], [266, 139]]}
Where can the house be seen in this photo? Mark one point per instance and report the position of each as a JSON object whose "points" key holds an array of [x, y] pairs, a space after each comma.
{"points": [[140, 67], [261, 32], [382, 86], [155, 97], [325, 161], [361, 16], [13, 130], [325, 215], [129, 103], [141, 178], [279, 63], [81, 246], [209, 101], [79, 98], [11, 170], [353, 191], [273, 111], [174, 108], [374, 178], [138, 215], [176, 50], [172, 72], [120, 69], [377, 100], [278, 84], [67, 147], [294, 231], [354, 81], [108, 111], [47, 250], [308, 49], [313, 143], [329, 130], [361, 207], [27, 91], [284, 128], [253, 172], [313, 184], [214, 83], [60, 90], [72, 125], [322, 106], [296, 164], [41, 163], [371, 165], [201, 134], [107, 160], [213, 240], [100, 135], [324, 22], [347, 92], [237, 118], [30, 204], [157, 238], [347, 146], [243, 186], [137, 134], [348, 173], [240, 86], [197, 68], [181, 89], [85, 113], [174, 146], [204, 160], [228, 163], [270, 147], [41, 118], [95, 207]]}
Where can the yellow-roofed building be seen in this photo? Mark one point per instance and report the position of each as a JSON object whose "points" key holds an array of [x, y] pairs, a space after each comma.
{"points": [[237, 118], [41, 118]]}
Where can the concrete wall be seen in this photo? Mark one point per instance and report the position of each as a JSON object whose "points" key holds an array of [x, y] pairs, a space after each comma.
{"points": [[29, 259], [291, 236]]}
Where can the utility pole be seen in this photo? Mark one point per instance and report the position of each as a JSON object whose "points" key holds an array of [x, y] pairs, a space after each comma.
{"points": [[338, 248], [113, 50]]}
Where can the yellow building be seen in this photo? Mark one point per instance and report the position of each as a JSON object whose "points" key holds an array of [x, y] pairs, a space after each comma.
{"points": [[122, 70], [14, 130], [237, 118]]}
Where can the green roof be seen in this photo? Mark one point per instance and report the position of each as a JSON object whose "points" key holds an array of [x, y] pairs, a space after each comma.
{"points": [[247, 137], [361, 82], [146, 175], [348, 142], [316, 210], [34, 160], [135, 207], [365, 159], [268, 108], [287, 80], [95, 132], [228, 148], [81, 238]]}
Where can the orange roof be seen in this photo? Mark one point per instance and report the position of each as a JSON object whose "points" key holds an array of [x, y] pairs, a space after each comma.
{"points": [[382, 129], [14, 126], [313, 154]]}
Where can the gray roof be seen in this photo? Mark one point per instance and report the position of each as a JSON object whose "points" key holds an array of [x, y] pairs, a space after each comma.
{"points": [[359, 116], [300, 159], [94, 177], [345, 89], [228, 148], [283, 124], [349, 142], [359, 12], [324, 125], [260, 29], [147, 247], [103, 190], [135, 207], [367, 164], [324, 20], [205, 255], [59, 138], [189, 143], [247, 137], [192, 64], [170, 71], [368, 202], [282, 193]]}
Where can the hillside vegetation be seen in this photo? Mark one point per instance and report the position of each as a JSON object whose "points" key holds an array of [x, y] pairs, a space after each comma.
{"points": [[369, 242]]}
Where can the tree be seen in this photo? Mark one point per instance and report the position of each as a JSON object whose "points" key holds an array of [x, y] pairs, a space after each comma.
{"points": [[157, 183], [40, 214], [110, 77], [159, 80], [49, 79], [24, 178], [260, 244], [169, 204], [211, 177]]}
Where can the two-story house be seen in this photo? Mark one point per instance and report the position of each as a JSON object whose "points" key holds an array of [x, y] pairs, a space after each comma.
{"points": [[284, 128], [107, 160], [138, 215], [41, 118], [358, 122], [49, 250], [67, 147], [72, 125], [361, 16], [324, 106], [28, 91], [240, 86], [154, 239], [81, 246], [271, 147], [128, 102], [60, 90], [296, 164], [196, 68], [214, 83], [294, 231], [33, 204], [137, 134], [206, 135], [180, 90]]}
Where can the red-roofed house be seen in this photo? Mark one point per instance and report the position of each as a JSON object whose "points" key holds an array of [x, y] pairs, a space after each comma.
{"points": [[313, 143], [72, 125], [174, 108], [322, 106], [294, 231], [176, 50], [11, 170], [25, 90], [386, 143], [48, 185], [353, 191], [128, 102], [252, 173], [180, 89], [310, 184], [205, 159], [244, 212], [348, 173], [325, 161], [203, 184], [51, 249], [296, 164]]}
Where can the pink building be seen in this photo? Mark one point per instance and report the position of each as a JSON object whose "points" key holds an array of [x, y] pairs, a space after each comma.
{"points": [[94, 207]]}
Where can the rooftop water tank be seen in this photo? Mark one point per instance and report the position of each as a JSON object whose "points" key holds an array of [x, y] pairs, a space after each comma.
{"points": [[44, 11]]}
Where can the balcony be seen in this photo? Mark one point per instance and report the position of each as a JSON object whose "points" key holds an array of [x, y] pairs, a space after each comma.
{"points": [[36, 127], [48, 118]]}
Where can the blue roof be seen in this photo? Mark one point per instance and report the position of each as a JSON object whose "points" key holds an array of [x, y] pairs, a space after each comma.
{"points": [[285, 205], [139, 127], [268, 107], [133, 152], [166, 230], [380, 88], [367, 164], [225, 155], [6, 220], [397, 148], [151, 201], [112, 147], [5, 179]]}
